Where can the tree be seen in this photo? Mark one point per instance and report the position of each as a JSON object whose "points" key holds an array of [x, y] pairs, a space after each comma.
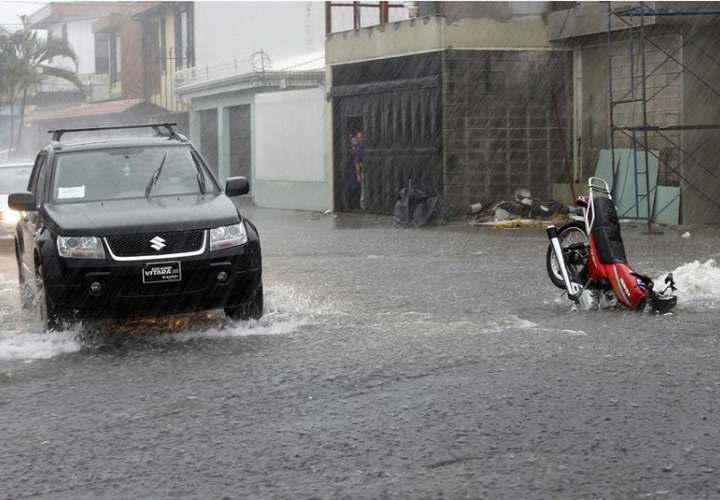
{"points": [[5, 65], [24, 59]]}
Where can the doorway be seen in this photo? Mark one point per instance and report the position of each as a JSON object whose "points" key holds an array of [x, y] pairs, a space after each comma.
{"points": [[240, 141]]}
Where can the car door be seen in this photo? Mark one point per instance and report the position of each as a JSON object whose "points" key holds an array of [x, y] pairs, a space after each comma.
{"points": [[30, 221]]}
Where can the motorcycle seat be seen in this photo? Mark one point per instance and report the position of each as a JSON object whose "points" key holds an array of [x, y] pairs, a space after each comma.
{"points": [[606, 231]]}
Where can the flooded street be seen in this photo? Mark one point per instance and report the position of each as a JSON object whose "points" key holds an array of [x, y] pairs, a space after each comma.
{"points": [[437, 363]]}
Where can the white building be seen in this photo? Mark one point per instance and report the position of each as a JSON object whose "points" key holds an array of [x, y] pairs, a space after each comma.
{"points": [[257, 97], [74, 23]]}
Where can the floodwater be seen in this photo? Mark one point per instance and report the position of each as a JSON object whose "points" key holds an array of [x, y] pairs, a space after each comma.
{"points": [[423, 363]]}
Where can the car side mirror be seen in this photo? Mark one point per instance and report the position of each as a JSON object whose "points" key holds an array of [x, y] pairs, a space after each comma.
{"points": [[22, 202], [236, 186]]}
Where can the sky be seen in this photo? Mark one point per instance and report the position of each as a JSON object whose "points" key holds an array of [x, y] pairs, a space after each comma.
{"points": [[10, 10]]}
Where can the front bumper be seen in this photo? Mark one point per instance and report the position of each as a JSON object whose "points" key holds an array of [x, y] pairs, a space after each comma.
{"points": [[123, 292]]}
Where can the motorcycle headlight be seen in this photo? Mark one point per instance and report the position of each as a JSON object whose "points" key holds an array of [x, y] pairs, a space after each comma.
{"points": [[227, 236], [80, 247]]}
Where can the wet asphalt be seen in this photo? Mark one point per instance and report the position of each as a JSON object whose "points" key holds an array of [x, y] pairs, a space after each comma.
{"points": [[433, 363]]}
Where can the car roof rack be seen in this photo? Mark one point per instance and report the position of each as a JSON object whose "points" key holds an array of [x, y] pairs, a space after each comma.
{"points": [[157, 127]]}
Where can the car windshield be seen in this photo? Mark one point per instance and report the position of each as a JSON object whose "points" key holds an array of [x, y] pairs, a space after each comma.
{"points": [[14, 179], [133, 172]]}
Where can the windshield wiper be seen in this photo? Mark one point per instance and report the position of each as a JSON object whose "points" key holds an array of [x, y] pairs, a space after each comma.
{"points": [[155, 176], [201, 181], [199, 175]]}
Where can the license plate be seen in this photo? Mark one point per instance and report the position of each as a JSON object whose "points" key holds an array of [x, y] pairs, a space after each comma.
{"points": [[161, 272]]}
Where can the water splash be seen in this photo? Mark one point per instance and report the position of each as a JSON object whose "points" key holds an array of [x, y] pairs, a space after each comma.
{"points": [[286, 310], [34, 345], [698, 284]]}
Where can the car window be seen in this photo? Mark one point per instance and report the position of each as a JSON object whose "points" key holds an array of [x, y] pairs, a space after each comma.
{"points": [[33, 185], [32, 181], [128, 173], [42, 187], [14, 179]]}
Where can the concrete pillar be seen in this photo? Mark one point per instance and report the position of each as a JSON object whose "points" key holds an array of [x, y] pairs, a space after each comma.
{"points": [[223, 117], [329, 158]]}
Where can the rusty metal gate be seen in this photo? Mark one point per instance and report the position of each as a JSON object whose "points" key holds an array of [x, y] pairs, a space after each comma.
{"points": [[397, 104]]}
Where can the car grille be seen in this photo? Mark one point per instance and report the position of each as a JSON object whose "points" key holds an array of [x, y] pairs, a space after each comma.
{"points": [[135, 245]]}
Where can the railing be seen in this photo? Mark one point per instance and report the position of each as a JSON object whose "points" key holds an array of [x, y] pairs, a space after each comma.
{"points": [[58, 85], [258, 62], [96, 87]]}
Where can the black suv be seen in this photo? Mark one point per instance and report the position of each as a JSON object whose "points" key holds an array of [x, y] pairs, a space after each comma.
{"points": [[124, 227]]}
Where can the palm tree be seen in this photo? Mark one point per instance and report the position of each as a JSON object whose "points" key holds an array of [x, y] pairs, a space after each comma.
{"points": [[25, 58], [5, 65]]}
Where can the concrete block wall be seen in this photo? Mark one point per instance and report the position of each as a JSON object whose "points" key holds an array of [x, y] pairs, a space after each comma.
{"points": [[701, 105], [500, 129], [663, 87]]}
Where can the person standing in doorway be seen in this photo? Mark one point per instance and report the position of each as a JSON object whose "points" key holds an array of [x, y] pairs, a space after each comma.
{"points": [[360, 165], [352, 184]]}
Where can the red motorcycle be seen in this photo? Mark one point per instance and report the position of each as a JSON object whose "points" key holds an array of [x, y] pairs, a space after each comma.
{"points": [[587, 259]]}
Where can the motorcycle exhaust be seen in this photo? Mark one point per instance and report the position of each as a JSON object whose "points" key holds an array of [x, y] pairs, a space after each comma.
{"points": [[574, 290]]}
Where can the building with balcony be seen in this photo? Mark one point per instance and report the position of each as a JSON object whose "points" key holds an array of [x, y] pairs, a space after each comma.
{"points": [[74, 23], [168, 45], [118, 47]]}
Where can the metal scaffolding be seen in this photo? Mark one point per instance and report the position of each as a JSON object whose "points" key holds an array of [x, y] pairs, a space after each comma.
{"points": [[643, 133]]}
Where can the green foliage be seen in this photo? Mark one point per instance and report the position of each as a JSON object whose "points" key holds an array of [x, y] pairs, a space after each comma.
{"points": [[25, 57], [25, 62]]}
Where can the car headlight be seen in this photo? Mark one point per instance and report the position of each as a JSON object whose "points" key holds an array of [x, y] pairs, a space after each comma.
{"points": [[227, 236], [11, 216], [80, 247]]}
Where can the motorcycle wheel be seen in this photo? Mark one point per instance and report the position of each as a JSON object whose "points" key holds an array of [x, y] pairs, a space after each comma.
{"points": [[571, 233]]}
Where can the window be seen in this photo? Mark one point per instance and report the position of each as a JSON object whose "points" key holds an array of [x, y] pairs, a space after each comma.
{"points": [[126, 173], [102, 53], [115, 58], [184, 43], [35, 185], [118, 55], [161, 44], [153, 56]]}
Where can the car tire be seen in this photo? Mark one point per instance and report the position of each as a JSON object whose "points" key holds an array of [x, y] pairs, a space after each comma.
{"points": [[252, 310], [46, 312]]}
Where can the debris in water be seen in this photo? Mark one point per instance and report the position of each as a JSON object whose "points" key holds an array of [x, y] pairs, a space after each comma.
{"points": [[524, 211], [475, 208]]}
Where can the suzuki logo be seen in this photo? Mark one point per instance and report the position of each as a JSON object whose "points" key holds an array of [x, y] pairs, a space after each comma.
{"points": [[157, 243]]}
